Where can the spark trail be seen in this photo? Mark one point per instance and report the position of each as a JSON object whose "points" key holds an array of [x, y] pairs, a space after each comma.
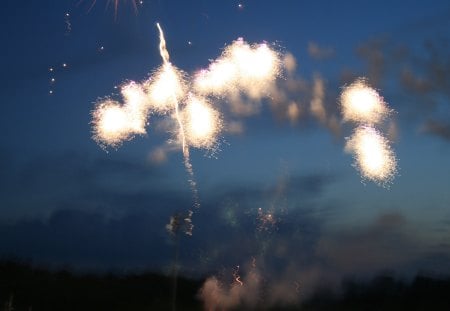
{"points": [[167, 67]]}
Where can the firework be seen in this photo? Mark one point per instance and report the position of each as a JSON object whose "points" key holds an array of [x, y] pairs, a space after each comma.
{"points": [[240, 68], [361, 103], [115, 123], [202, 123], [374, 157], [165, 88]]}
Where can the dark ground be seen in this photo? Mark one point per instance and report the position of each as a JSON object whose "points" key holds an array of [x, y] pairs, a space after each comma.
{"points": [[28, 288]]}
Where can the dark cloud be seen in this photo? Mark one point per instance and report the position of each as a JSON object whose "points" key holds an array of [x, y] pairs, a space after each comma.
{"points": [[438, 128], [372, 52], [295, 251], [90, 240], [287, 265], [74, 180]]}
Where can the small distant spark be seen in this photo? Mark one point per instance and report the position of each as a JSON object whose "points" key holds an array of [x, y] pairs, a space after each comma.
{"points": [[68, 23], [266, 220]]}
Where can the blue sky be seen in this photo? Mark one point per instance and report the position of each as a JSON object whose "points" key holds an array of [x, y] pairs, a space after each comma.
{"points": [[65, 201]]}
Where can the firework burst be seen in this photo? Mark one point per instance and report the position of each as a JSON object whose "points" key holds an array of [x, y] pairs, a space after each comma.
{"points": [[362, 104], [373, 155]]}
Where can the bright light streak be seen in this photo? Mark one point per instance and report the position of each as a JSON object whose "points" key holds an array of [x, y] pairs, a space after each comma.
{"points": [[374, 157], [237, 277], [361, 103]]}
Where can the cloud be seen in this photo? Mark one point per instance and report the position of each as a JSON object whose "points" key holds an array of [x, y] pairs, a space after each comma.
{"points": [[373, 52], [438, 128], [89, 240], [74, 180], [281, 262]]}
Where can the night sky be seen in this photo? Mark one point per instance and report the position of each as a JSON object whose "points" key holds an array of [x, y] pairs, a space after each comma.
{"points": [[65, 201]]}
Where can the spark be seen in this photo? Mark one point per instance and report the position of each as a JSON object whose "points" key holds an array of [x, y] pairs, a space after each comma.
{"points": [[170, 88], [266, 220], [250, 69], [361, 103], [237, 277], [179, 222], [64, 65], [68, 23], [374, 157]]}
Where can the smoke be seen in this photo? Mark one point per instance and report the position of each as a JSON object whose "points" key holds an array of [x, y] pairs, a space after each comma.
{"points": [[317, 108], [216, 295], [319, 53]]}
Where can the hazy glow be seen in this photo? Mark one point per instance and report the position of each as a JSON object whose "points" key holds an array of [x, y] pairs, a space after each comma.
{"points": [[361, 103], [202, 123], [373, 155]]}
